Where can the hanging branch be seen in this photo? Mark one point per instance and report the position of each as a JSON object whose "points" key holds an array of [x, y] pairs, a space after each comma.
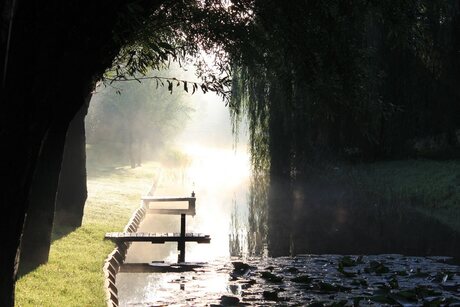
{"points": [[218, 86]]}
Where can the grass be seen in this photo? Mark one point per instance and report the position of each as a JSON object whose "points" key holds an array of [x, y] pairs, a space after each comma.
{"points": [[73, 275], [433, 187]]}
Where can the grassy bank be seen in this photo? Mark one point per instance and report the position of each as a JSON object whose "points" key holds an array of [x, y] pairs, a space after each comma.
{"points": [[433, 187], [73, 275]]}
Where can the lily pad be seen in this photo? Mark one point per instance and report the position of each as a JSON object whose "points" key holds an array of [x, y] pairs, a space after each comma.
{"points": [[227, 300], [271, 277], [270, 295], [304, 279], [377, 268]]}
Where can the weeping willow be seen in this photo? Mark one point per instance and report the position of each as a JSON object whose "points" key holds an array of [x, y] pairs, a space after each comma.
{"points": [[323, 82]]}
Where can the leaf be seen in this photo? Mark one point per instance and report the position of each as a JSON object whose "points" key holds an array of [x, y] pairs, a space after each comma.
{"points": [[377, 268], [394, 283], [271, 277], [346, 261], [305, 279], [346, 274], [165, 45]]}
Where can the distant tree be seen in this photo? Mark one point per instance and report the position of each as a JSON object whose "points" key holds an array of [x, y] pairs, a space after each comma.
{"points": [[135, 118]]}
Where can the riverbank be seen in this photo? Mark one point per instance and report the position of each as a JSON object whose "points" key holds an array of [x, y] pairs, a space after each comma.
{"points": [[409, 207], [73, 275], [430, 186]]}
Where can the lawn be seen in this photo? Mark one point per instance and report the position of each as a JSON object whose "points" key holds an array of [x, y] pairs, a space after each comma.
{"points": [[431, 186], [73, 276]]}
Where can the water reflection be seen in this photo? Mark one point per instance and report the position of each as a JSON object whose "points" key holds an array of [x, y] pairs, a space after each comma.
{"points": [[219, 174], [306, 279], [245, 219], [323, 219]]}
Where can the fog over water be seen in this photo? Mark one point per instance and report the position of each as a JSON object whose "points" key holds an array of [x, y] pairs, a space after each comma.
{"points": [[218, 171]]}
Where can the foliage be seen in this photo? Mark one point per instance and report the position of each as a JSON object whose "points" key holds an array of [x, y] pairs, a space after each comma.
{"points": [[129, 119], [73, 275], [333, 80], [433, 187], [182, 31], [359, 79]]}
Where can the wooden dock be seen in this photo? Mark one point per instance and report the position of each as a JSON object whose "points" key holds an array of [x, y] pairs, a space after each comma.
{"points": [[156, 238], [161, 238]]}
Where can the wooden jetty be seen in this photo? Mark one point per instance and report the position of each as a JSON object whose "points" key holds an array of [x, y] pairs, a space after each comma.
{"points": [[161, 238]]}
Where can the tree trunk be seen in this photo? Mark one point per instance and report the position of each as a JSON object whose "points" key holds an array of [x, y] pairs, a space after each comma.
{"points": [[132, 161], [72, 192], [51, 54], [36, 238]]}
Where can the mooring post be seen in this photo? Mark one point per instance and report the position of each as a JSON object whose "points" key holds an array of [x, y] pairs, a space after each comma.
{"points": [[181, 242]]}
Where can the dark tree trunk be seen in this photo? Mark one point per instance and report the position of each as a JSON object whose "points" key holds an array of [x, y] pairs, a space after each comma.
{"points": [[72, 192], [36, 238], [51, 53]]}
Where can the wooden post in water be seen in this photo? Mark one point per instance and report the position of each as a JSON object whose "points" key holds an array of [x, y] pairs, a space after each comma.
{"points": [[181, 243]]}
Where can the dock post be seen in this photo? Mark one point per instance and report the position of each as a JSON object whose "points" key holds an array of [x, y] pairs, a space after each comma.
{"points": [[181, 242]]}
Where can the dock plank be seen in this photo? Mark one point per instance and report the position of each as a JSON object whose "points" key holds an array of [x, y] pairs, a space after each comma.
{"points": [[171, 211], [156, 238], [166, 199]]}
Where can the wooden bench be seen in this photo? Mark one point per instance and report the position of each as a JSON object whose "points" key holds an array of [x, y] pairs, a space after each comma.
{"points": [[146, 200], [156, 238], [121, 238]]}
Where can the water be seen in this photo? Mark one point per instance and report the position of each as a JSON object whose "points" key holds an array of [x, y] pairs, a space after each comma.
{"points": [[219, 174], [299, 281]]}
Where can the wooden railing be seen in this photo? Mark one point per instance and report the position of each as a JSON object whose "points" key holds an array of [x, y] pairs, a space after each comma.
{"points": [[116, 258]]}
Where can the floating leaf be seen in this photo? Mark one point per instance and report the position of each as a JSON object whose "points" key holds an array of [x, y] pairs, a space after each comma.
{"points": [[227, 300], [345, 273], [347, 261], [271, 277], [377, 268], [292, 270], [394, 283], [270, 295]]}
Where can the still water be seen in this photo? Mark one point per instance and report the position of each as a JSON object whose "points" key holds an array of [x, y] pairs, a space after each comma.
{"points": [[219, 174], [218, 171]]}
